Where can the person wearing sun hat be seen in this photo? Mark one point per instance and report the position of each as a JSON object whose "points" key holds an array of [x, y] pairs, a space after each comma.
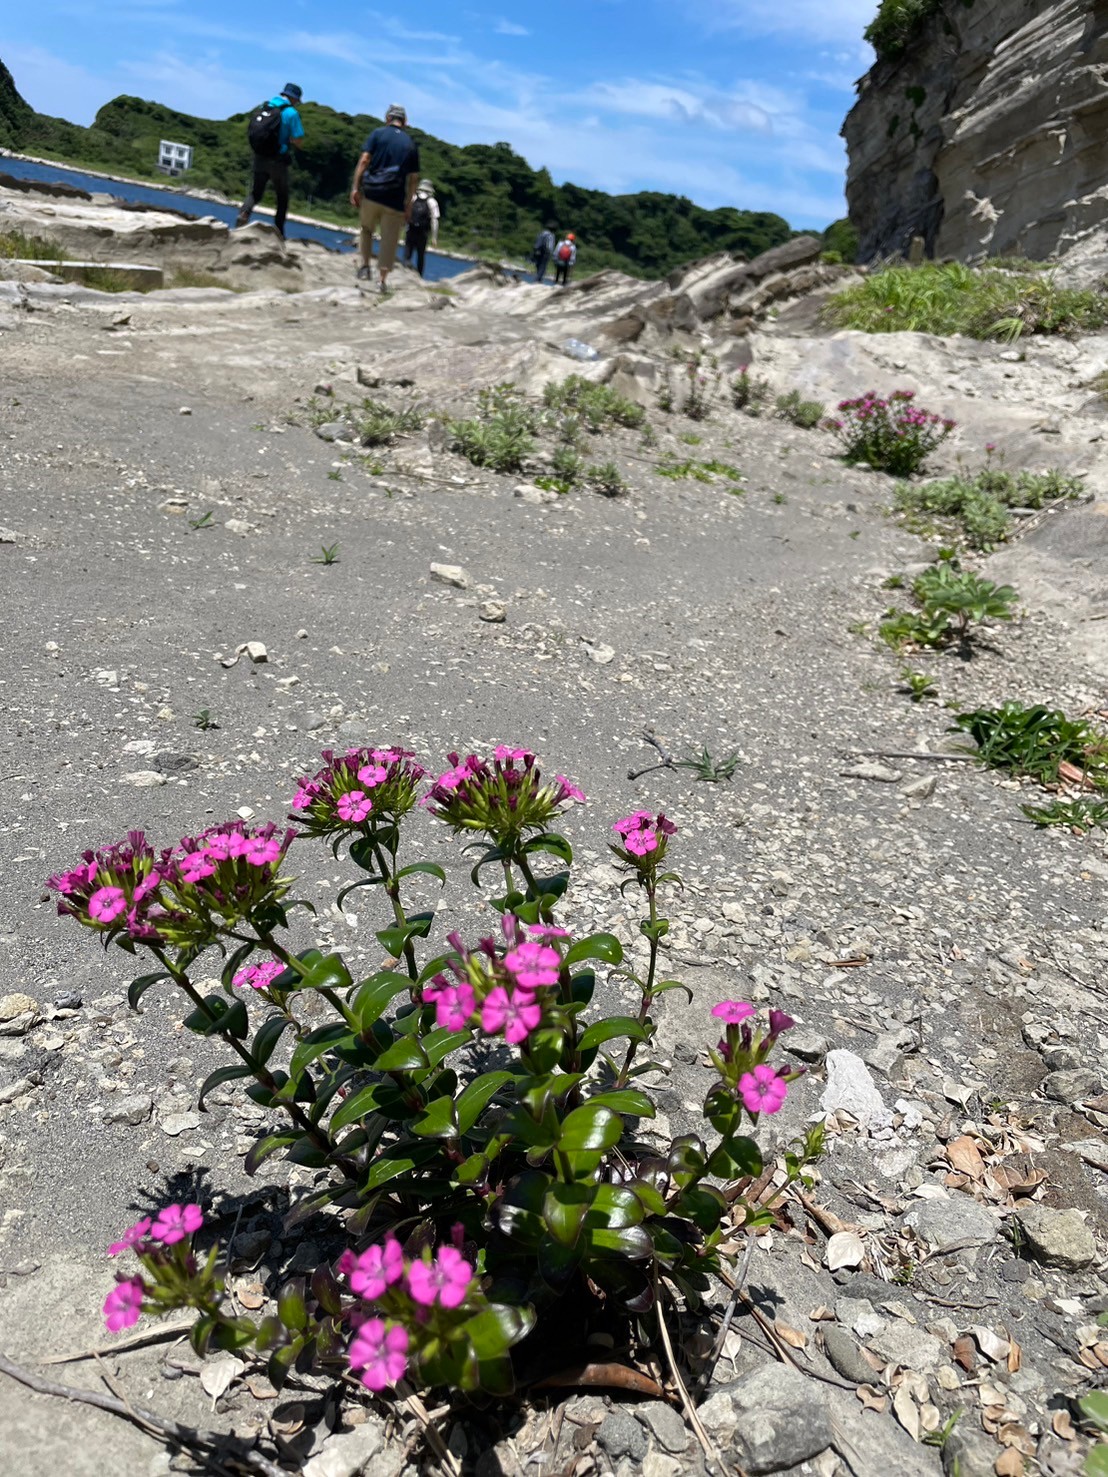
{"points": [[385, 180], [274, 128]]}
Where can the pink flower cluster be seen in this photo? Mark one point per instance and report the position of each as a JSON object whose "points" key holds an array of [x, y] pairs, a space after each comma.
{"points": [[115, 890], [379, 1349], [503, 797], [353, 786], [258, 976], [761, 1088], [891, 434], [643, 836], [147, 1237], [503, 990]]}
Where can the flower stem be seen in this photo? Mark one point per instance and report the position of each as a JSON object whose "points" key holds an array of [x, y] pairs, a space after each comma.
{"points": [[392, 890]]}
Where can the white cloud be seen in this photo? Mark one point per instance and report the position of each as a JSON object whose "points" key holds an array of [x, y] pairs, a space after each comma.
{"points": [[837, 21], [510, 28], [679, 104]]}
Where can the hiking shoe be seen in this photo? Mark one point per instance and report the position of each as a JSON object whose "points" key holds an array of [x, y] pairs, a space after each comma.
{"points": [[382, 289], [363, 274], [241, 221]]}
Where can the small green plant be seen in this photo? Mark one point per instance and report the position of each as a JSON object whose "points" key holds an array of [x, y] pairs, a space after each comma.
{"points": [[204, 720], [334, 475], [940, 1437], [697, 404], [1094, 1409], [17, 246], [975, 505], [690, 438], [698, 471], [1078, 815], [553, 484], [704, 767], [606, 478], [379, 425], [904, 629], [750, 393], [918, 685], [891, 435], [598, 405], [897, 23], [964, 597], [664, 399], [502, 434], [567, 465], [1037, 741], [807, 414], [980, 302], [328, 554], [894, 582], [779, 498], [204, 521]]}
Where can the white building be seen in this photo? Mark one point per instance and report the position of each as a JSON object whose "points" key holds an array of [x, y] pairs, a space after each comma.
{"points": [[174, 158]]}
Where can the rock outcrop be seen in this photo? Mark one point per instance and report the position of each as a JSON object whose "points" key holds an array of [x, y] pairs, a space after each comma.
{"points": [[989, 136]]}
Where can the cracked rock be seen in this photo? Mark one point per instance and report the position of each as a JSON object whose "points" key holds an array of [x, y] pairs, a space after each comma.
{"points": [[1057, 1238]]}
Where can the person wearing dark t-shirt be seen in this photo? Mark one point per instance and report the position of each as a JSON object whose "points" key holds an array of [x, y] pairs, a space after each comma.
{"points": [[385, 180]]}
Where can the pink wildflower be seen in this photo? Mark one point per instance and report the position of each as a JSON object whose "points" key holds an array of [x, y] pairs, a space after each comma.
{"points": [[454, 1005], [445, 1280], [535, 965], [373, 774], [176, 1222], [258, 976], [762, 1090], [569, 791], [380, 1352], [515, 1014], [376, 1269], [354, 806], [123, 1304], [132, 1237], [106, 904], [733, 1012]]}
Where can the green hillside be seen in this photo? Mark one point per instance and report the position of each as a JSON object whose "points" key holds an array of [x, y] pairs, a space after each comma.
{"points": [[492, 200]]}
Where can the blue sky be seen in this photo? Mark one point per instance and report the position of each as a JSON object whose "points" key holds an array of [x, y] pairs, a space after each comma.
{"points": [[731, 102]]}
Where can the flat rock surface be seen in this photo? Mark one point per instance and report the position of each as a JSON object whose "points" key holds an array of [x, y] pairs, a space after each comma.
{"points": [[934, 931]]}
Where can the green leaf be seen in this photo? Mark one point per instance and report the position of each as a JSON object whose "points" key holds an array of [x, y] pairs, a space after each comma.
{"points": [[382, 1097], [218, 1077], [647, 1195], [327, 972], [653, 931], [558, 1263], [564, 1209], [265, 1147], [316, 1042], [723, 1110], [603, 946], [632, 1242], [1094, 1407], [404, 1055], [362, 855], [497, 1328], [437, 1121], [626, 1100], [611, 1029], [398, 1160], [138, 987], [582, 986], [735, 1158], [431, 869], [375, 994], [615, 1206], [218, 1016], [393, 939], [475, 1099], [703, 1205], [664, 985], [267, 1036], [519, 1213], [1096, 1463], [292, 1308], [552, 844], [592, 1126]]}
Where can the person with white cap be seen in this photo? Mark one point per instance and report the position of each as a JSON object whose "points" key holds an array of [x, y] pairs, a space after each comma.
{"points": [[423, 224], [385, 181]]}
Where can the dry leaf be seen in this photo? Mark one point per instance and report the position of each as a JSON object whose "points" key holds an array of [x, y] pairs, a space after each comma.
{"points": [[1101, 1352], [251, 1295], [991, 1344], [261, 1389], [822, 1314], [965, 1157], [1062, 1425], [965, 1352], [791, 1336], [845, 1249], [218, 1375], [1089, 1359], [872, 1399], [904, 1408], [1009, 1465], [1015, 1357], [1017, 1437], [929, 1417], [948, 1378]]}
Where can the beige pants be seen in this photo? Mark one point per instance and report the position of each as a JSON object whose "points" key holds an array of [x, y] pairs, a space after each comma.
{"points": [[390, 223]]}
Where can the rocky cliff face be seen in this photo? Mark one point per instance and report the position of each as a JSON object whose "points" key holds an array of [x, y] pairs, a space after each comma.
{"points": [[989, 137]]}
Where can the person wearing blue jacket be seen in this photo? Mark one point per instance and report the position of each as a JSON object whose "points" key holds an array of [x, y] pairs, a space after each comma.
{"points": [[274, 129]]}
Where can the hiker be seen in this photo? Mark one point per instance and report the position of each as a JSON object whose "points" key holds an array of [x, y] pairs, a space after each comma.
{"points": [[542, 251], [565, 254], [423, 224], [273, 127], [385, 181]]}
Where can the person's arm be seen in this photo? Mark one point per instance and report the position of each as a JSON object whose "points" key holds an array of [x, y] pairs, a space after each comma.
{"points": [[359, 170], [435, 213], [413, 186], [296, 131]]}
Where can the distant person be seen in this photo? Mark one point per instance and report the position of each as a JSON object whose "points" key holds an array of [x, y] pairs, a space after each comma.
{"points": [[385, 181], [425, 186], [542, 251], [565, 254], [422, 225], [273, 127]]}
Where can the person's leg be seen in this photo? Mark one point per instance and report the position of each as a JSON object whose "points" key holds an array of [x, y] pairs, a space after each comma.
{"points": [[370, 215], [392, 223], [421, 253], [279, 174], [540, 266], [257, 190]]}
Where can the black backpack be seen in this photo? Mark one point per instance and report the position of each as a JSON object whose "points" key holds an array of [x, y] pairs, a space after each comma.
{"points": [[264, 129], [421, 215]]}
